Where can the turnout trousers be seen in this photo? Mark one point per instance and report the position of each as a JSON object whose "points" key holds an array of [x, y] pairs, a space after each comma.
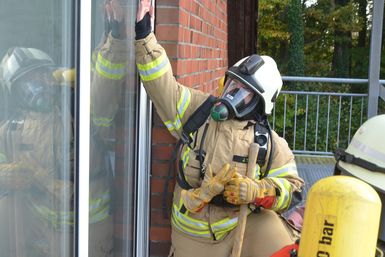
{"points": [[265, 234]]}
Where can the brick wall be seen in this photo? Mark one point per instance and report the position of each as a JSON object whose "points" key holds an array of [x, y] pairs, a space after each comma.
{"points": [[194, 34]]}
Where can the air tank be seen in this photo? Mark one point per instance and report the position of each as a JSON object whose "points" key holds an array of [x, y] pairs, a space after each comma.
{"points": [[342, 218]]}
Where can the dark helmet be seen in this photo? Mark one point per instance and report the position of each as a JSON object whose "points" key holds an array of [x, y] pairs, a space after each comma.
{"points": [[254, 80], [26, 74]]}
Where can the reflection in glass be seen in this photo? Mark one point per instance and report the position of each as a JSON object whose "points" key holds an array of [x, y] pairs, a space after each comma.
{"points": [[36, 130], [112, 155], [37, 85]]}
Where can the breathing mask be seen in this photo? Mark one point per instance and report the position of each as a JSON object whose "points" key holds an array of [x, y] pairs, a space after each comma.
{"points": [[237, 101], [36, 92]]}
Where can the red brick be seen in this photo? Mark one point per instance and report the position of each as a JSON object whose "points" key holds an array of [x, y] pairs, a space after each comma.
{"points": [[174, 66], [184, 17], [160, 169], [167, 32], [171, 49], [157, 198], [157, 185], [158, 219], [160, 234], [167, 3], [162, 135], [167, 15], [161, 152], [158, 249], [157, 122]]}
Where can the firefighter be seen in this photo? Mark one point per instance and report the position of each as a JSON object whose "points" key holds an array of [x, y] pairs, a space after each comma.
{"points": [[212, 156], [36, 147], [364, 158]]}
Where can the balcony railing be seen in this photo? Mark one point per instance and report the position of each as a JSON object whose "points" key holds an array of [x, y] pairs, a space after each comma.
{"points": [[324, 115]]}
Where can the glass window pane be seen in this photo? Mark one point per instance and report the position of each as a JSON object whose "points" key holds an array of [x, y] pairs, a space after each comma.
{"points": [[113, 119], [36, 132]]}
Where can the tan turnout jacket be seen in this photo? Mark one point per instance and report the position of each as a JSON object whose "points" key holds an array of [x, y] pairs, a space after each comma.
{"points": [[174, 104]]}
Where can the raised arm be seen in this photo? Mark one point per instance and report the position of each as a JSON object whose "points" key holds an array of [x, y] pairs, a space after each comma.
{"points": [[173, 101]]}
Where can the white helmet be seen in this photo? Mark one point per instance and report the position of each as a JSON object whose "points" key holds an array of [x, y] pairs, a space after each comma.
{"points": [[251, 87], [261, 74], [365, 156], [18, 61]]}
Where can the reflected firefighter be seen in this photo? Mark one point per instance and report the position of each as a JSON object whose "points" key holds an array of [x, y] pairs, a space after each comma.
{"points": [[36, 148]]}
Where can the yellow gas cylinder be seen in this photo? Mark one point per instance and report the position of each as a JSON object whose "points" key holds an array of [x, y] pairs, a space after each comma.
{"points": [[342, 218]]}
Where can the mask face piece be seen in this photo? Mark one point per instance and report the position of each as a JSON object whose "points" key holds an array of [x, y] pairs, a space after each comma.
{"points": [[35, 93], [237, 100]]}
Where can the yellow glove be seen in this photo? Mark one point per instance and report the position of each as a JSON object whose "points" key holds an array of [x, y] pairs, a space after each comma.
{"points": [[195, 199], [243, 190]]}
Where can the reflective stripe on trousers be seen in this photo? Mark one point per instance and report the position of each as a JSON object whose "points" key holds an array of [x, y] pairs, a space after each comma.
{"points": [[200, 228], [98, 211]]}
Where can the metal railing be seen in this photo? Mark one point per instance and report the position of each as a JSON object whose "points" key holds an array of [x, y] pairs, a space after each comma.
{"points": [[322, 117]]}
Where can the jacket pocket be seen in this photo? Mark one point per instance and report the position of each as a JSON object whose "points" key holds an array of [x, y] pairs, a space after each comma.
{"points": [[192, 171]]}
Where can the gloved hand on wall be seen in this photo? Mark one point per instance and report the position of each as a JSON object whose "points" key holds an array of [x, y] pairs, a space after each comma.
{"points": [[143, 19], [195, 199], [243, 190]]}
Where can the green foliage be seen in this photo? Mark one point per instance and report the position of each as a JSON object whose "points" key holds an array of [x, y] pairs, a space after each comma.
{"points": [[318, 123], [335, 42], [273, 34], [279, 24], [296, 44]]}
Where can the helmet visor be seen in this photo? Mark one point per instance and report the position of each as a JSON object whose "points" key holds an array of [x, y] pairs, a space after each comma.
{"points": [[241, 98]]}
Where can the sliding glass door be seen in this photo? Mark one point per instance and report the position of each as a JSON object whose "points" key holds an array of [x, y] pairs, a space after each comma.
{"points": [[70, 147]]}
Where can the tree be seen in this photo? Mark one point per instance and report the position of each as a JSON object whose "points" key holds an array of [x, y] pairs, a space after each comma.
{"points": [[296, 45]]}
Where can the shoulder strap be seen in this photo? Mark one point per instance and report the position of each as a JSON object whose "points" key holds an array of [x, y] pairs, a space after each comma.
{"points": [[263, 138], [197, 119], [193, 123]]}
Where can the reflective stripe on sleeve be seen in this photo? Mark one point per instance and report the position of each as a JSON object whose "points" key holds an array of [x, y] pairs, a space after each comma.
{"points": [[154, 69], [285, 189], [108, 69], [181, 107], [289, 169]]}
